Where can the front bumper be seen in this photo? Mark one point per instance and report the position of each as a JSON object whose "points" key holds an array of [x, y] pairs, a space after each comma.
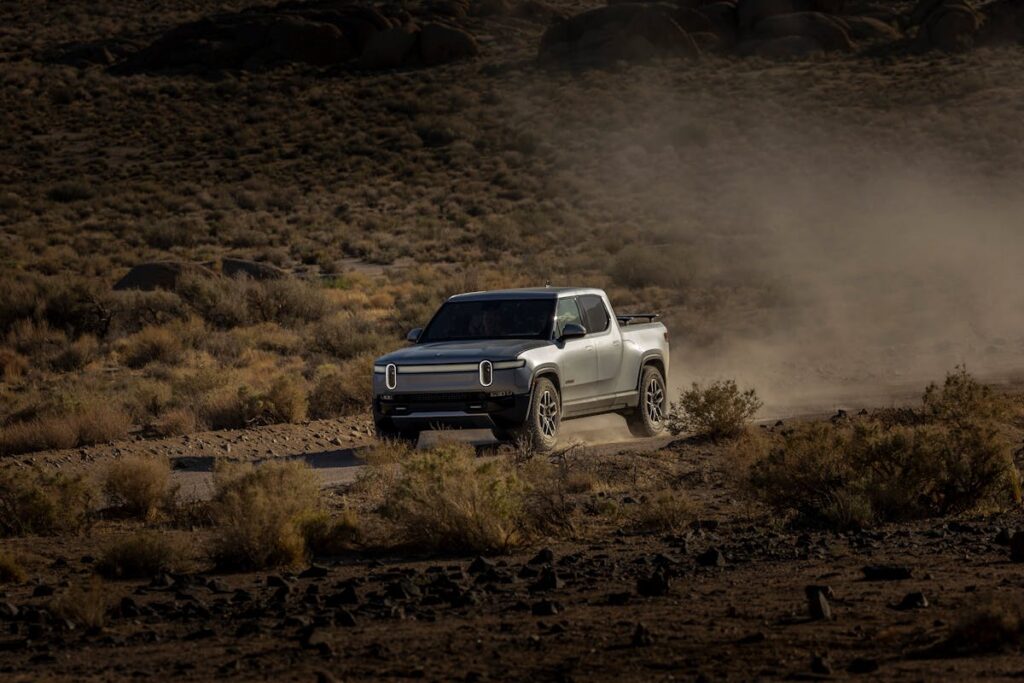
{"points": [[459, 410]]}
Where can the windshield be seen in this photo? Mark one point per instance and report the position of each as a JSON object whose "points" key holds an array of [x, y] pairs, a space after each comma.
{"points": [[491, 319]]}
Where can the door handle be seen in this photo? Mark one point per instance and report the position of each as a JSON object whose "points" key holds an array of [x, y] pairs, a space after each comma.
{"points": [[615, 343], [589, 348]]}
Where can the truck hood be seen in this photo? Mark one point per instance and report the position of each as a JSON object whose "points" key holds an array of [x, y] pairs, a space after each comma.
{"points": [[462, 351]]}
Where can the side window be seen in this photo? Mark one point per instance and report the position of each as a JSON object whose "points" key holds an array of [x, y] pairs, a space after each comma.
{"points": [[567, 312], [594, 312]]}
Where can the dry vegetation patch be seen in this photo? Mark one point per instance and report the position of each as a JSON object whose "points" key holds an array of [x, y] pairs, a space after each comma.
{"points": [[143, 554], [35, 502], [11, 570], [140, 485]]}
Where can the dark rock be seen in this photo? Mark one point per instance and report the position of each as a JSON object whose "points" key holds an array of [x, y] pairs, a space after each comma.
{"points": [[344, 618], [390, 48], [159, 275], [314, 571], [201, 634], [276, 581], [712, 557], [884, 572], [817, 602], [655, 585], [1017, 547], [346, 596], [915, 600], [8, 610], [642, 636], [821, 664], [545, 556], [862, 665], [544, 608], [481, 565], [42, 591], [440, 44], [1003, 537], [548, 581], [753, 638]]}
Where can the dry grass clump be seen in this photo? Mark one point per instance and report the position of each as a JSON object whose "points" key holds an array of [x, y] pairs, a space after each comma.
{"points": [[342, 390], [662, 511], [283, 401], [994, 626], [445, 500], [142, 555], [11, 570], [327, 535], [84, 604], [175, 422], [153, 345], [856, 474], [378, 480], [34, 502], [258, 515], [138, 484], [86, 425], [719, 410]]}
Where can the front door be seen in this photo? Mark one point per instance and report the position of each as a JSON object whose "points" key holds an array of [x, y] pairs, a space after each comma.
{"points": [[579, 359]]}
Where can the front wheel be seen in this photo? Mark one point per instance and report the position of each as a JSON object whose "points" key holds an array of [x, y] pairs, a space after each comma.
{"points": [[540, 430], [649, 417]]}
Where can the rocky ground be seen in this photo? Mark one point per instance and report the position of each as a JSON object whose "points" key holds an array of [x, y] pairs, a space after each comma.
{"points": [[731, 596]]}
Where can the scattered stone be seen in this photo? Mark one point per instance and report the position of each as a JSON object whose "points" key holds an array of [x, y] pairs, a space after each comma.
{"points": [[344, 618], [548, 581], [314, 571], [655, 585], [862, 665], [817, 602], [821, 664], [618, 599], [42, 591], [914, 600], [544, 608], [1017, 547], [545, 556], [481, 565], [1003, 537], [757, 637], [884, 572], [642, 636], [712, 557]]}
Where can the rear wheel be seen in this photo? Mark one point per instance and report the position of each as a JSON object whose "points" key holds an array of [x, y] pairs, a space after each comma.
{"points": [[649, 417], [540, 430]]}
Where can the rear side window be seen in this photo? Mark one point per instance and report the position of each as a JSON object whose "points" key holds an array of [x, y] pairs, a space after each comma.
{"points": [[594, 312]]}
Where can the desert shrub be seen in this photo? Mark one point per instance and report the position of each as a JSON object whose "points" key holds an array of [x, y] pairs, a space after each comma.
{"points": [[342, 390], [446, 500], [287, 301], [132, 311], [329, 536], [139, 484], [843, 476], [175, 422], [142, 555], [284, 401], [550, 483], [258, 515], [77, 354], [38, 434], [12, 365], [11, 570], [83, 604], [379, 478], [662, 511], [716, 411], [346, 335], [993, 626], [640, 265], [152, 345], [101, 422], [962, 400], [34, 502], [222, 302]]}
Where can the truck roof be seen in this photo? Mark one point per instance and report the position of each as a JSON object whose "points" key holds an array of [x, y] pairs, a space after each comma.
{"points": [[526, 293]]}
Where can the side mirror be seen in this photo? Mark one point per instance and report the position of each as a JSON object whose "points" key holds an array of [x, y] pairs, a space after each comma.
{"points": [[573, 331], [414, 335]]}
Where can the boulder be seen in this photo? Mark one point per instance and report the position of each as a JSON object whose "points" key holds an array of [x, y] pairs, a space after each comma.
{"points": [[723, 19], [1004, 23], [869, 29], [824, 30], [440, 44], [951, 27], [787, 47], [750, 12], [159, 275], [627, 31], [236, 267], [297, 40], [390, 48]]}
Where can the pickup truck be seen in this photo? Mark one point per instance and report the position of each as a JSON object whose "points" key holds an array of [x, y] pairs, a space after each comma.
{"points": [[518, 362]]}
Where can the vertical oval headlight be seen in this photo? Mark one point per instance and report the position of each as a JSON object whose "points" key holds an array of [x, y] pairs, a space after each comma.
{"points": [[486, 373], [391, 376]]}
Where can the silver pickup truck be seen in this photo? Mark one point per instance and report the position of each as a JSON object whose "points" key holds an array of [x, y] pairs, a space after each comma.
{"points": [[518, 362]]}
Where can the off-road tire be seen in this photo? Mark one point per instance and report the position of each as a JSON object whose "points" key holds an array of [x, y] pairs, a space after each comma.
{"points": [[540, 430], [648, 419]]}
